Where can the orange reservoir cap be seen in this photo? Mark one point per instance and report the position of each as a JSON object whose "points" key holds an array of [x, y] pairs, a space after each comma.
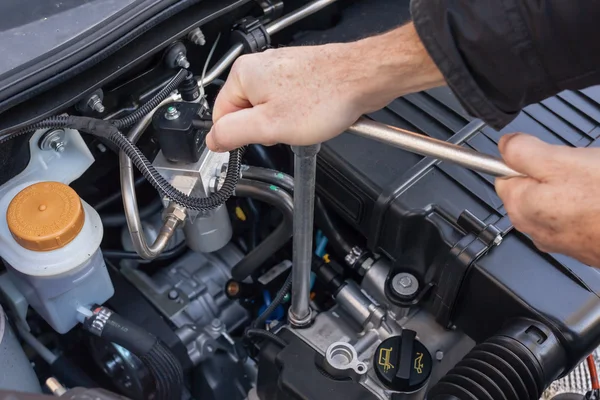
{"points": [[45, 216]]}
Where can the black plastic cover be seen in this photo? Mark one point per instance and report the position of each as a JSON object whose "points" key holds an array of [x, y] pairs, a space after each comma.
{"points": [[408, 207]]}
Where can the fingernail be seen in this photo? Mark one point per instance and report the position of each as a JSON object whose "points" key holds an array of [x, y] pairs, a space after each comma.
{"points": [[210, 141], [505, 139]]}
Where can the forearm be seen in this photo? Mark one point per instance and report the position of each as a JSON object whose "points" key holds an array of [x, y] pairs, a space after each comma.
{"points": [[384, 67]]}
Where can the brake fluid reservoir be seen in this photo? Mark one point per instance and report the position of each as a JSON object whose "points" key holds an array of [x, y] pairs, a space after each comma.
{"points": [[54, 256]]}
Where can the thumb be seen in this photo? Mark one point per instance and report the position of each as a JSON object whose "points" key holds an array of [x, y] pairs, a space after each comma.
{"points": [[527, 154], [240, 128]]}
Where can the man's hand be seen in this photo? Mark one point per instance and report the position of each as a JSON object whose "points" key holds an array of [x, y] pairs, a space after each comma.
{"points": [[558, 205], [306, 95]]}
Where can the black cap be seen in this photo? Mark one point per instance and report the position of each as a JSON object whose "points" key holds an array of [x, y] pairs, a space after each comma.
{"points": [[402, 363]]}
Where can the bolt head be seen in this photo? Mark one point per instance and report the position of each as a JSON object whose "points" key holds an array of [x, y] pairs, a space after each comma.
{"points": [[439, 355], [498, 240], [216, 323], [405, 282], [173, 294]]}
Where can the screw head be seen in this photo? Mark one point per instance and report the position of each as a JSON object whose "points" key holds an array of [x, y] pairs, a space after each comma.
{"points": [[498, 240], [216, 323], [439, 355], [173, 294]]}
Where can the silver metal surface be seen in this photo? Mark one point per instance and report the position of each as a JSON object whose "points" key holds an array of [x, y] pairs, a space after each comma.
{"points": [[95, 103], [182, 61], [341, 361], [336, 325], [353, 256], [190, 293], [578, 381], [221, 66], [54, 139], [405, 284], [172, 113], [305, 176], [276, 26], [204, 231], [355, 303], [16, 372], [297, 15], [431, 147], [132, 214], [197, 37]]}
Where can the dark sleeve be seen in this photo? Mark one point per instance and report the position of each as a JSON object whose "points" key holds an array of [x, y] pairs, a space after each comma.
{"points": [[499, 56]]}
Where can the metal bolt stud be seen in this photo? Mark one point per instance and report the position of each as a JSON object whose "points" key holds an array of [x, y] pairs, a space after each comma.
{"points": [[439, 355], [405, 281], [196, 36], [182, 61], [95, 103], [172, 113], [54, 140]]}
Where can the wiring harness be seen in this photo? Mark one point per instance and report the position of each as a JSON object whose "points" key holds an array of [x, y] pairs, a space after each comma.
{"points": [[110, 130]]}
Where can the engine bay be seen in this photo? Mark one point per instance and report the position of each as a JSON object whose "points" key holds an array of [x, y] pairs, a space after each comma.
{"points": [[139, 264]]}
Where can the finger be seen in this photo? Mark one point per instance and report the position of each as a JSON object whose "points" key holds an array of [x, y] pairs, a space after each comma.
{"points": [[231, 98], [514, 194], [528, 154], [240, 128]]}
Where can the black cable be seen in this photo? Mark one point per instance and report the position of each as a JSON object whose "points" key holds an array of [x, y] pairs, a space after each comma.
{"points": [[263, 334], [132, 255], [106, 130], [340, 245], [152, 103], [278, 238], [119, 219], [164, 367], [285, 289]]}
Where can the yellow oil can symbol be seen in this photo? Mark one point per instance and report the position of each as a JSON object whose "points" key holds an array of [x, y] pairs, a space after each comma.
{"points": [[384, 359], [419, 363]]}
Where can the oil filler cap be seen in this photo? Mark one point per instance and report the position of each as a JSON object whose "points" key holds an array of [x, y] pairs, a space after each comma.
{"points": [[45, 216], [402, 363]]}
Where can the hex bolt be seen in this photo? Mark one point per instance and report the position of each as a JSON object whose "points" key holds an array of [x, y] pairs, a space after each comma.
{"points": [[498, 240], [95, 103], [182, 61], [405, 281], [54, 140], [196, 36], [405, 284], [439, 355], [216, 324], [173, 294], [172, 113]]}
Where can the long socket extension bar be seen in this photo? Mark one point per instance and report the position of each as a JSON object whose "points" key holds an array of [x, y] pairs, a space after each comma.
{"points": [[276, 26], [430, 147]]}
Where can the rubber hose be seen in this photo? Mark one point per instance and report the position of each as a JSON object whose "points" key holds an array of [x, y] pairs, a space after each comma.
{"points": [[263, 334], [285, 289], [152, 103], [164, 367], [132, 255], [340, 245], [281, 235], [116, 220]]}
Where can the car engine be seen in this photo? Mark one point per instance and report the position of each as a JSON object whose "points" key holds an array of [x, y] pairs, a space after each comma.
{"points": [[138, 264]]}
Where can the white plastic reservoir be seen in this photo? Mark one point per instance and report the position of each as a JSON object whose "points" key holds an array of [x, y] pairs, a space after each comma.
{"points": [[50, 238]]}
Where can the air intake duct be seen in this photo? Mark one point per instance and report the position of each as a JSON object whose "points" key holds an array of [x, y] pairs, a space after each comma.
{"points": [[517, 363]]}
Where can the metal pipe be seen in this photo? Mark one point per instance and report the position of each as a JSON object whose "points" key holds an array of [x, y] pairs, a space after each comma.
{"points": [[276, 26], [36, 345], [431, 147], [297, 15], [305, 174], [132, 214]]}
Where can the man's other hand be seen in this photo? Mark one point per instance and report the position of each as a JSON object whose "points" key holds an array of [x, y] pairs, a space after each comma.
{"points": [[558, 204]]}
